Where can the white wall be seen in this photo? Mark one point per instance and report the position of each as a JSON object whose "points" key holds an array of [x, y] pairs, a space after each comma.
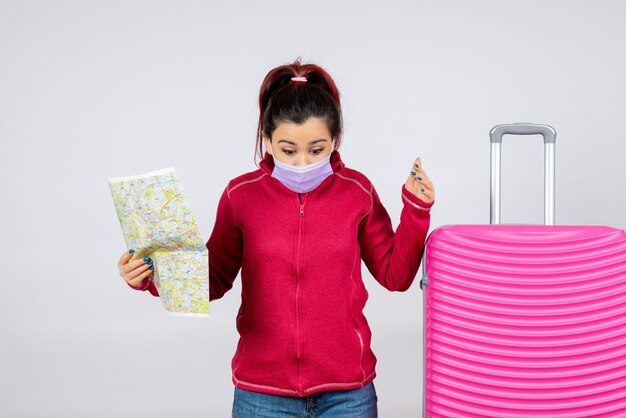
{"points": [[91, 90]]}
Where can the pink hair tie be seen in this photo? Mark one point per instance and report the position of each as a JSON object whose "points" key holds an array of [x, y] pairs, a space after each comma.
{"points": [[298, 79]]}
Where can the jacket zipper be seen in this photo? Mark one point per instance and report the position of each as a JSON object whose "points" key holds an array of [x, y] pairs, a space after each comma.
{"points": [[301, 201]]}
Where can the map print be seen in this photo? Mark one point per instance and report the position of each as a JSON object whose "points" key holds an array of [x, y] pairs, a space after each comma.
{"points": [[157, 222]]}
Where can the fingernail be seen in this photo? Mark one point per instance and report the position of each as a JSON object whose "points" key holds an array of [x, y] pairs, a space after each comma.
{"points": [[413, 173], [417, 166], [131, 251], [150, 262], [146, 259], [419, 178], [151, 268], [422, 190]]}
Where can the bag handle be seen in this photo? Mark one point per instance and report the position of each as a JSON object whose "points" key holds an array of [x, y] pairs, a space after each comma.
{"points": [[549, 141]]}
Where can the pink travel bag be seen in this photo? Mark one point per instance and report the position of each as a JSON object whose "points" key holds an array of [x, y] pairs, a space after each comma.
{"points": [[524, 320]]}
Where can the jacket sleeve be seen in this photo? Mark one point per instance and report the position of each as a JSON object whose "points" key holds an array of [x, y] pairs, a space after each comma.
{"points": [[225, 247], [225, 250], [146, 284], [394, 258]]}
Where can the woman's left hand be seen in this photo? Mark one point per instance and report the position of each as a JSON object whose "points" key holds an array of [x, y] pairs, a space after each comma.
{"points": [[419, 184]]}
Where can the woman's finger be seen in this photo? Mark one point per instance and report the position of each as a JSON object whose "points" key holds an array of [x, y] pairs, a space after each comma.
{"points": [[418, 173], [125, 265], [418, 169], [423, 191], [127, 255], [417, 166], [430, 193], [131, 273], [135, 264], [140, 271], [416, 187], [418, 182], [136, 281], [422, 180], [426, 195]]}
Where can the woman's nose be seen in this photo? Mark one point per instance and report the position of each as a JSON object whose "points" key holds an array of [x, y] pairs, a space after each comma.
{"points": [[302, 161]]}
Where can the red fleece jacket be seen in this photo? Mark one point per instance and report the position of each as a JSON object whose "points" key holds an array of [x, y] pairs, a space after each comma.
{"points": [[301, 323]]}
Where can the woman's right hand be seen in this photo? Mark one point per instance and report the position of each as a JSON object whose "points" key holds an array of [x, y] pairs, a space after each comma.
{"points": [[135, 271]]}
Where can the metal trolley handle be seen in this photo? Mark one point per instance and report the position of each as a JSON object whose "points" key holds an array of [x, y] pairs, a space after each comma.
{"points": [[549, 140]]}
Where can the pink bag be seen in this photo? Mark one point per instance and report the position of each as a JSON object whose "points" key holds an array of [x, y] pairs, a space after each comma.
{"points": [[524, 320]]}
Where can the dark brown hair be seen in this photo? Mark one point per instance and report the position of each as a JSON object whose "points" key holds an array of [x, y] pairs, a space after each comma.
{"points": [[284, 100]]}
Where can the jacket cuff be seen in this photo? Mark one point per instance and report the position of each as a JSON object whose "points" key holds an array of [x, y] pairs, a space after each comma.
{"points": [[415, 201], [143, 286], [152, 289]]}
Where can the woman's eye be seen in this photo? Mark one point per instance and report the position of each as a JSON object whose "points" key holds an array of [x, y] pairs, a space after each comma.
{"points": [[292, 152]]}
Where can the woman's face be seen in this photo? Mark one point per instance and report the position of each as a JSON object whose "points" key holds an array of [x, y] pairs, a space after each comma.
{"points": [[300, 144]]}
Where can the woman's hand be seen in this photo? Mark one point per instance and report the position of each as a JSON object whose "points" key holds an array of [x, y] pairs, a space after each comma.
{"points": [[135, 271], [419, 184]]}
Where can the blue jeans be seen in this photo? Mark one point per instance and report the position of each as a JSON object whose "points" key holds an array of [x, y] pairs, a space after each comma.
{"points": [[353, 403]]}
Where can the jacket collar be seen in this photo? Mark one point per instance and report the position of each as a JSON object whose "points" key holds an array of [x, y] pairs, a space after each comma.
{"points": [[267, 163]]}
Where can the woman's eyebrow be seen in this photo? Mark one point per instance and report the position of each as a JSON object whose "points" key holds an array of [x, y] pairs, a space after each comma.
{"points": [[315, 141]]}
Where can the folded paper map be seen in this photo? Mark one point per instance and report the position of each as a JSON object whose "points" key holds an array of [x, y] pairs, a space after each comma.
{"points": [[157, 222]]}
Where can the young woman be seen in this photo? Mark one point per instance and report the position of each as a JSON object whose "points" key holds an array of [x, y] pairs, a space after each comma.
{"points": [[298, 228]]}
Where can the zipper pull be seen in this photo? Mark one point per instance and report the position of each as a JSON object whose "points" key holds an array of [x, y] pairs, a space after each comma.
{"points": [[302, 200]]}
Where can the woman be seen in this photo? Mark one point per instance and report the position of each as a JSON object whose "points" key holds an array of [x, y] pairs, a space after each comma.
{"points": [[298, 227]]}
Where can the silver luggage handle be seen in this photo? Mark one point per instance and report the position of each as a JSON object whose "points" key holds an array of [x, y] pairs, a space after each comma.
{"points": [[549, 140]]}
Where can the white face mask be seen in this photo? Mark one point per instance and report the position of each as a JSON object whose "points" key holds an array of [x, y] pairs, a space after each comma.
{"points": [[302, 178]]}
